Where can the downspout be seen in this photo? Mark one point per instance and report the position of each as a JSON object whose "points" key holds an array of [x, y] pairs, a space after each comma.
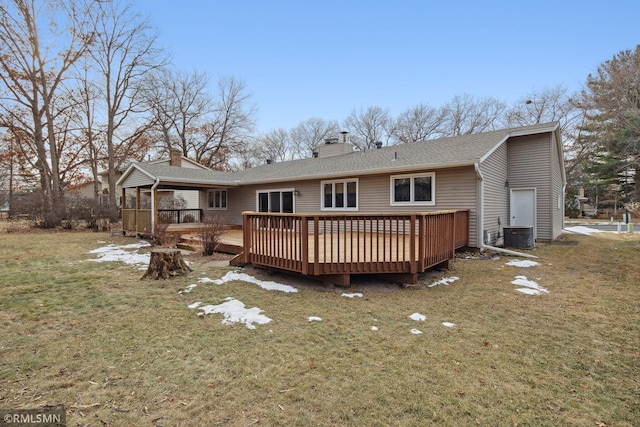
{"points": [[153, 207], [564, 192], [483, 246]]}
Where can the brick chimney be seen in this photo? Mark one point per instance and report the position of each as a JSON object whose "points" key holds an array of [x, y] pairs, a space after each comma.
{"points": [[175, 157]]}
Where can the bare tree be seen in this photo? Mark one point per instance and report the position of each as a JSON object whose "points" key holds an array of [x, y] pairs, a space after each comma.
{"points": [[309, 134], [465, 114], [36, 54], [180, 102], [417, 124], [231, 125], [274, 146], [367, 127], [124, 53], [87, 95]]}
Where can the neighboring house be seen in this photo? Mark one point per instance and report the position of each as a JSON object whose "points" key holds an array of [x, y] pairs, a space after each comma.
{"points": [[506, 177]]}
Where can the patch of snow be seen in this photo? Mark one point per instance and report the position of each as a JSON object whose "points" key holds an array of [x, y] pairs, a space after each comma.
{"points": [[123, 253], [418, 317], [522, 263], [187, 289], [444, 281], [205, 280], [234, 311], [416, 332], [357, 294], [314, 319], [448, 324], [581, 229], [374, 328], [530, 287], [194, 305], [268, 285]]}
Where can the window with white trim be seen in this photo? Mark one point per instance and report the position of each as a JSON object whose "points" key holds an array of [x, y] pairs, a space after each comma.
{"points": [[415, 189], [217, 199], [339, 195]]}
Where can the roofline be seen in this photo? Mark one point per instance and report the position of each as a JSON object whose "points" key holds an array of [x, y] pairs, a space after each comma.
{"points": [[207, 182], [366, 172], [129, 170]]}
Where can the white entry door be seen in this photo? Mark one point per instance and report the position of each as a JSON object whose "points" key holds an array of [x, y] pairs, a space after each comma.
{"points": [[523, 207]]}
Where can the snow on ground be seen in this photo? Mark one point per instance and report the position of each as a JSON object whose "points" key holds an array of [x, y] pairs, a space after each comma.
{"points": [[448, 324], [194, 305], [530, 287], [445, 281], [581, 229], [268, 285], [418, 317], [187, 289], [522, 263], [314, 319], [374, 328], [357, 294], [234, 311], [205, 280], [416, 332], [123, 253]]}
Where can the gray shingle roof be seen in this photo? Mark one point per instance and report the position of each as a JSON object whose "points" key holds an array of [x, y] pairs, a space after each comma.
{"points": [[432, 154]]}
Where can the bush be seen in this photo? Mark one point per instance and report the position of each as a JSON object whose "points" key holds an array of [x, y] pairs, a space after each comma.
{"points": [[162, 238], [210, 234], [571, 204]]}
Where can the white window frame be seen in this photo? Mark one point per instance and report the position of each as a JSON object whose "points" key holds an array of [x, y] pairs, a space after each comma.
{"points": [[412, 201], [333, 183], [226, 199]]}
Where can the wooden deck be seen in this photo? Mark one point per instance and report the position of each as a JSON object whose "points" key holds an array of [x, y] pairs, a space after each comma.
{"points": [[334, 247]]}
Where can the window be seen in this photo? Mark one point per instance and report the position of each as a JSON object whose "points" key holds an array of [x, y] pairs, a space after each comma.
{"points": [[413, 189], [340, 195], [277, 201], [217, 199]]}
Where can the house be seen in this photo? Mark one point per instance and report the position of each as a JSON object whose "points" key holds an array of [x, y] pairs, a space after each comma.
{"points": [[509, 177]]}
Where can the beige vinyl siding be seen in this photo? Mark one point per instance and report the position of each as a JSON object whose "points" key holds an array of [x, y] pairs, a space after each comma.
{"points": [[138, 179], [455, 189], [557, 189], [496, 196], [530, 167], [191, 197]]}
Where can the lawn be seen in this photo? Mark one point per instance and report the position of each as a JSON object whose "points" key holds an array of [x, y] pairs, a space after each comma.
{"points": [[117, 351]]}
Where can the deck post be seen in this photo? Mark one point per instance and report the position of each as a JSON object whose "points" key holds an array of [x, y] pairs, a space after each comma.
{"points": [[246, 237], [137, 209], [421, 242], [412, 244], [304, 243], [316, 245]]}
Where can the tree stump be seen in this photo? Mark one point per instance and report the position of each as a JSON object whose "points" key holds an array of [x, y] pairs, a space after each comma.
{"points": [[165, 263]]}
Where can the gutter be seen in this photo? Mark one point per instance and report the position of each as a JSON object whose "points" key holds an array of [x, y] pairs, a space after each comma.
{"points": [[153, 207], [481, 222]]}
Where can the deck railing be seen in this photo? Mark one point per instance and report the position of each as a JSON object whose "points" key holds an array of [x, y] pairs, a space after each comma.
{"points": [[344, 244], [179, 216]]}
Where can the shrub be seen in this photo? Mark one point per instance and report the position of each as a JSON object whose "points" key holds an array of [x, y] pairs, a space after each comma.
{"points": [[162, 238], [210, 234], [571, 204]]}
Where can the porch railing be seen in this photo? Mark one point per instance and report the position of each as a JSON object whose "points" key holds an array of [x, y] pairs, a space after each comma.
{"points": [[344, 244], [179, 216], [136, 220]]}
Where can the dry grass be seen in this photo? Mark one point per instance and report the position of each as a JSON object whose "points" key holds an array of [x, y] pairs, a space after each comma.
{"points": [[119, 351]]}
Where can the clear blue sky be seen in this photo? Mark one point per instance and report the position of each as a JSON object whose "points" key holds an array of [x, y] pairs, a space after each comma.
{"points": [[303, 58]]}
